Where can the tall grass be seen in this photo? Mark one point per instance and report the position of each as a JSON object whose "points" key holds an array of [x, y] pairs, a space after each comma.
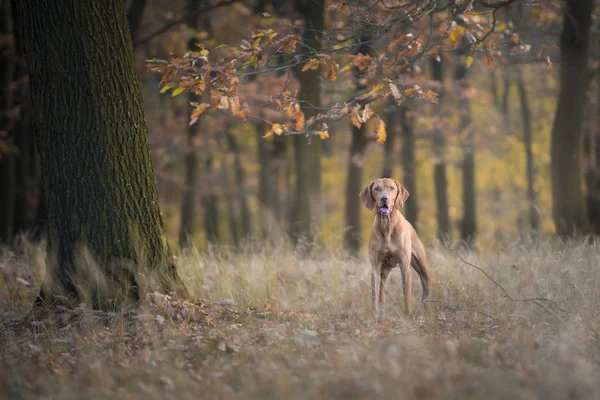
{"points": [[272, 323]]}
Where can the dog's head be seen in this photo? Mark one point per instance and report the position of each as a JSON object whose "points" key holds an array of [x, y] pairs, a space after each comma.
{"points": [[384, 193]]}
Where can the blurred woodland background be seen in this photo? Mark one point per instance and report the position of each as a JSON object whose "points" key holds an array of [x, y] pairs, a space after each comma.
{"points": [[469, 135]]}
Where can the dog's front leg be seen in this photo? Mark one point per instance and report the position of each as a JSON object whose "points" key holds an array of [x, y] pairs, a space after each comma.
{"points": [[375, 283], [406, 284]]}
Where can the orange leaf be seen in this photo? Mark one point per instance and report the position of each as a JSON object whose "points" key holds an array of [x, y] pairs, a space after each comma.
{"points": [[489, 62], [380, 129], [333, 72], [312, 64]]}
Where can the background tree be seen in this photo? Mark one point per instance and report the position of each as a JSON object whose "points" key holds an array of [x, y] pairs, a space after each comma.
{"points": [[98, 177], [567, 196], [307, 154]]}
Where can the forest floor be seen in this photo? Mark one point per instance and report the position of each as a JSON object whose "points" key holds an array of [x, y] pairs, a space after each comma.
{"points": [[269, 324]]}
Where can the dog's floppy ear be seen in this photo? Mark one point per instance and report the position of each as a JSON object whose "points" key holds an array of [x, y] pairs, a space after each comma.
{"points": [[367, 197], [402, 194]]}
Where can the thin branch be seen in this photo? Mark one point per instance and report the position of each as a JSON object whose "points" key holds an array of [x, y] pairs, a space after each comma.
{"points": [[535, 300], [446, 306]]}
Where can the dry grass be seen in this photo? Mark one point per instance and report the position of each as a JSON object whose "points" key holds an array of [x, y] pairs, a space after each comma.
{"points": [[275, 325]]}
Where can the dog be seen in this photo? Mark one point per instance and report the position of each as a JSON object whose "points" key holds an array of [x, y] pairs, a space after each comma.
{"points": [[393, 242]]}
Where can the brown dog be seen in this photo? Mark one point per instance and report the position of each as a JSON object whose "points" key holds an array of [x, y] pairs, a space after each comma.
{"points": [[393, 242]]}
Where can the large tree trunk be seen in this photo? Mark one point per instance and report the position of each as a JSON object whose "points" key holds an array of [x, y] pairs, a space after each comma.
{"points": [[567, 197], [187, 227], [305, 217], [7, 153], [93, 142], [391, 125], [407, 120], [465, 129], [439, 144], [534, 218]]}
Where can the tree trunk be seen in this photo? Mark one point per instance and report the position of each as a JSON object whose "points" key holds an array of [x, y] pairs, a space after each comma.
{"points": [[506, 76], [354, 177], [465, 129], [187, 227], [391, 114], [494, 87], [135, 14], [93, 142], [567, 197], [591, 148], [407, 120], [534, 218], [265, 164], [210, 200], [7, 153], [279, 166], [439, 144], [240, 183], [305, 218]]}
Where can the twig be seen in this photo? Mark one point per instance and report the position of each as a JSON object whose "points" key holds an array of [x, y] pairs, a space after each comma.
{"points": [[446, 306], [535, 300]]}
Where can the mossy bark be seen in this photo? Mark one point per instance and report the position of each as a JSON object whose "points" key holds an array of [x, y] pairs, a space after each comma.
{"points": [[106, 241]]}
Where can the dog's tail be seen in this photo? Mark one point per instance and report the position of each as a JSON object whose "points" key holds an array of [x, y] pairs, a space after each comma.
{"points": [[420, 266]]}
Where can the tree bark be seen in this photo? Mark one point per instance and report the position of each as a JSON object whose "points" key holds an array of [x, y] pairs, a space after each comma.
{"points": [[187, 227], [439, 144], [407, 120], [469, 219], [92, 138], [7, 152], [567, 197], [391, 118], [305, 217], [534, 218]]}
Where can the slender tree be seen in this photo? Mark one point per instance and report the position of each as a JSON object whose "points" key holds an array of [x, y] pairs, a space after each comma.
{"points": [[135, 14], [469, 220], [439, 145], [7, 153], [354, 181], [391, 123], [304, 218], [565, 149], [406, 115], [534, 218], [96, 167], [187, 227]]}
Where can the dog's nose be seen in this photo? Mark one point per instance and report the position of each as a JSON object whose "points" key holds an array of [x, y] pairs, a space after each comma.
{"points": [[384, 198]]}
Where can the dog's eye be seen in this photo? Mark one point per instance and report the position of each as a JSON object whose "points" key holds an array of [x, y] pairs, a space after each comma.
{"points": [[377, 189], [392, 188]]}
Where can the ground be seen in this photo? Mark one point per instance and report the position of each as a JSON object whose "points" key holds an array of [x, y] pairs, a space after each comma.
{"points": [[268, 323]]}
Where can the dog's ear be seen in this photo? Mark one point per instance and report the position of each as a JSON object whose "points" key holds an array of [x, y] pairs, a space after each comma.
{"points": [[367, 197], [402, 195]]}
